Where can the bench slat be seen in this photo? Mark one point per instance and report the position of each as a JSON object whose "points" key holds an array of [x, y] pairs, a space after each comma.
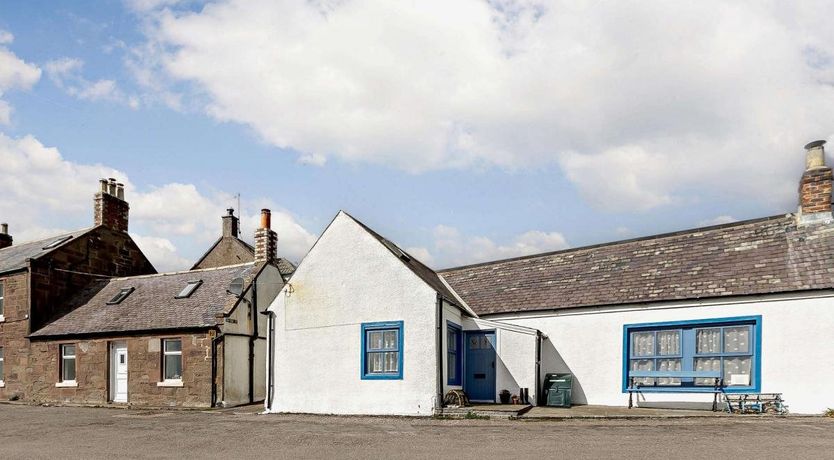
{"points": [[676, 374]]}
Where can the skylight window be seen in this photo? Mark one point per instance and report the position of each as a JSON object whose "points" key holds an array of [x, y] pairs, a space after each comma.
{"points": [[189, 289], [57, 242], [397, 251], [122, 295]]}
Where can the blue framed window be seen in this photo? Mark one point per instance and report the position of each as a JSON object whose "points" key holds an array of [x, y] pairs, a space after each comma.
{"points": [[382, 351], [453, 351], [730, 346]]}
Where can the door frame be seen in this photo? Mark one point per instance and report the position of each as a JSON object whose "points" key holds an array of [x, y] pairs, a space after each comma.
{"points": [[494, 332], [114, 345]]}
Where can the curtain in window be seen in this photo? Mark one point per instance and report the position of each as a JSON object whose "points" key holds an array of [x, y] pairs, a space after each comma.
{"points": [[737, 339], [669, 365], [707, 364], [643, 365], [708, 341], [642, 344], [668, 343], [737, 366]]}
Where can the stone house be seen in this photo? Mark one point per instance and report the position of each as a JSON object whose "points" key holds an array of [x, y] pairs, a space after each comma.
{"points": [[37, 277], [186, 339]]}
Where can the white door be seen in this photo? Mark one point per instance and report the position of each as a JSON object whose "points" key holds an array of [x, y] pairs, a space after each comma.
{"points": [[118, 372]]}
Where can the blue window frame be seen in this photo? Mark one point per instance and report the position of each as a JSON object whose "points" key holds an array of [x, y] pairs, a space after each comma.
{"points": [[453, 353], [730, 346], [382, 351]]}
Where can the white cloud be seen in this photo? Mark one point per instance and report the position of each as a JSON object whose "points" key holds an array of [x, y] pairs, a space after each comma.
{"points": [[715, 98], [46, 194], [15, 73], [66, 73], [452, 248]]}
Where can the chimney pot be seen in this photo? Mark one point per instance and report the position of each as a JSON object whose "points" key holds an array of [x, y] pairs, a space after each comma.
{"points": [[5, 238], [120, 191], [103, 183], [266, 219], [814, 155]]}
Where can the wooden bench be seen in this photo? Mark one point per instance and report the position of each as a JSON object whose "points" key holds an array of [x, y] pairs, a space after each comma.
{"points": [[755, 403], [634, 386]]}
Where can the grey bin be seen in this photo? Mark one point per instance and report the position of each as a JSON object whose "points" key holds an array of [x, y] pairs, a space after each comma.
{"points": [[557, 390]]}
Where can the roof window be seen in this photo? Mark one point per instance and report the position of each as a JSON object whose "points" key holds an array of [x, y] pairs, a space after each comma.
{"points": [[57, 242], [122, 295], [189, 289], [396, 250]]}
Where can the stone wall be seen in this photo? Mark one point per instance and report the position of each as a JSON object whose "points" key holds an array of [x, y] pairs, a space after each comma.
{"points": [[13, 332], [144, 372]]}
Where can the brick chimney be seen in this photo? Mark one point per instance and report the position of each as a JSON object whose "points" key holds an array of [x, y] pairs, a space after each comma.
{"points": [[230, 224], [111, 209], [815, 185], [5, 238], [266, 240]]}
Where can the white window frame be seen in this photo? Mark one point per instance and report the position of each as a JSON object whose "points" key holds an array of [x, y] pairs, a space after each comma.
{"points": [[62, 382], [2, 303], [166, 382]]}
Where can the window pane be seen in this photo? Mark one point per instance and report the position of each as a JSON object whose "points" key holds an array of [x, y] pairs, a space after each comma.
{"points": [[452, 341], [668, 343], [173, 345], [452, 367], [643, 365], [68, 350], [707, 364], [708, 341], [68, 369], [374, 362], [474, 342], [375, 340], [173, 367], [642, 343], [737, 339], [391, 361], [389, 340], [668, 365], [485, 344], [738, 367]]}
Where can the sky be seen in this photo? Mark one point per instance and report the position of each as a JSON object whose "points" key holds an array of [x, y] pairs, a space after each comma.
{"points": [[464, 131]]}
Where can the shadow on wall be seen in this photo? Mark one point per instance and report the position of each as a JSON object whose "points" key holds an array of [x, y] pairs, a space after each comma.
{"points": [[552, 362], [504, 379]]}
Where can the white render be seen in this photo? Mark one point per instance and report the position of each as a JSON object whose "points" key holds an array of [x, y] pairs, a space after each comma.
{"points": [[349, 278], [796, 355]]}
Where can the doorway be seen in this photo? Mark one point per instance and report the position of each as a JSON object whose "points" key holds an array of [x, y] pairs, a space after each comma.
{"points": [[480, 366], [118, 372]]}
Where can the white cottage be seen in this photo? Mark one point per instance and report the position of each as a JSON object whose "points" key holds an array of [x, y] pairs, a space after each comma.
{"points": [[364, 328]]}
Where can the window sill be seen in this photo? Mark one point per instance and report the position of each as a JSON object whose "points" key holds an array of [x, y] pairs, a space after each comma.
{"points": [[2, 384], [2, 318], [705, 389], [67, 384], [170, 383]]}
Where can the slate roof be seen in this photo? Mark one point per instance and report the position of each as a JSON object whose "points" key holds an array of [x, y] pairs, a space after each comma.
{"points": [[152, 306], [761, 256], [425, 273], [15, 257], [285, 267]]}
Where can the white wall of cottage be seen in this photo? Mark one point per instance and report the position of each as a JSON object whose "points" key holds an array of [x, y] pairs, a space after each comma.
{"points": [[796, 347]]}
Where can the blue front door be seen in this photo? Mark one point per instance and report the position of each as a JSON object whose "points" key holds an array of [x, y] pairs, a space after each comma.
{"points": [[480, 366]]}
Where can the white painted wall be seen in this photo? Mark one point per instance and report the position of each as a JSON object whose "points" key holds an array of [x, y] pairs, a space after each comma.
{"points": [[346, 279], [515, 363], [797, 347]]}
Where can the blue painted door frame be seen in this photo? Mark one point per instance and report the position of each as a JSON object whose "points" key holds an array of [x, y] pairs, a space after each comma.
{"points": [[479, 383]]}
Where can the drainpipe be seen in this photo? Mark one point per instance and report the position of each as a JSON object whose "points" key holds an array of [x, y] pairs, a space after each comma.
{"points": [[439, 318], [270, 391], [538, 366], [252, 338]]}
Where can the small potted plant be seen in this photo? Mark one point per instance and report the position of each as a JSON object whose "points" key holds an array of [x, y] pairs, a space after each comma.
{"points": [[505, 396]]}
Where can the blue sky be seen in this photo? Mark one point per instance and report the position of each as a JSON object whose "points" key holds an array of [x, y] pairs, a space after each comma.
{"points": [[464, 133]]}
